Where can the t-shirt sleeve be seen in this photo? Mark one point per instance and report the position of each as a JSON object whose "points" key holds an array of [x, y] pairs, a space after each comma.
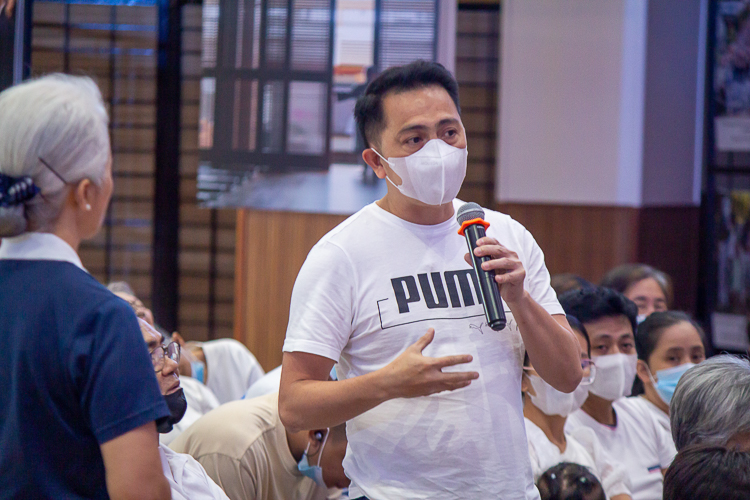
{"points": [[537, 281], [321, 311], [666, 447], [113, 374]]}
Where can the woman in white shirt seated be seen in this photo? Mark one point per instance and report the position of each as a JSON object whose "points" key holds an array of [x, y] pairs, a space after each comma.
{"points": [[668, 345], [546, 410]]}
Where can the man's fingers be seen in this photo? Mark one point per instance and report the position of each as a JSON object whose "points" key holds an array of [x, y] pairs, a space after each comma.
{"points": [[500, 264], [453, 360], [517, 275], [424, 340]]}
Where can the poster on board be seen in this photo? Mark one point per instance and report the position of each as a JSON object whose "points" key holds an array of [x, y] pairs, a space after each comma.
{"points": [[731, 83], [729, 321]]}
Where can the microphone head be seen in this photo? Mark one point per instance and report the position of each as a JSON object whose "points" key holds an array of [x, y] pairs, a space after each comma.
{"points": [[469, 211]]}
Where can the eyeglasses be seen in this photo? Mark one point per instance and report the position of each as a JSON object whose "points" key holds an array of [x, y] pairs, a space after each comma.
{"points": [[159, 354], [589, 371]]}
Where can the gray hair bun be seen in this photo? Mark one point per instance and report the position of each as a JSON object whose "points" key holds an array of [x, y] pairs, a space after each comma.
{"points": [[12, 221]]}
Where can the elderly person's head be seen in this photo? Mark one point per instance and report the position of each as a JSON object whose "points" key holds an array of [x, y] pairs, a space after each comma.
{"points": [[55, 160], [126, 293], [165, 360], [711, 405]]}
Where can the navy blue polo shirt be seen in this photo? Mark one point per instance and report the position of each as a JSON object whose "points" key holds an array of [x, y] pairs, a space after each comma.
{"points": [[74, 374]]}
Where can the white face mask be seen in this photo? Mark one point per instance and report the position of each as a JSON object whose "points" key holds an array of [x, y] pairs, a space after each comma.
{"points": [[615, 374], [432, 175], [553, 402]]}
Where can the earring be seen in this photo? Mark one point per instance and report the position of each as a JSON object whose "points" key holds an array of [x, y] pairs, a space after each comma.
{"points": [[88, 207]]}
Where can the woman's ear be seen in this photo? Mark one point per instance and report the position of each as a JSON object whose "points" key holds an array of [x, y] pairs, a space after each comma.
{"points": [[641, 369], [84, 194]]}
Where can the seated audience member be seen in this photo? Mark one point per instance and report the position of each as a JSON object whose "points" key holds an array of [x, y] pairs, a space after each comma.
{"points": [[200, 399], [566, 282], [546, 409], [708, 473], [246, 449], [668, 344], [711, 404], [226, 366], [625, 429], [186, 477], [649, 288], [568, 481]]}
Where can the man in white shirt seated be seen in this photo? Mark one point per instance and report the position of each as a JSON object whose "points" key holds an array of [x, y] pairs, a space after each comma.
{"points": [[625, 429], [186, 477], [246, 449]]}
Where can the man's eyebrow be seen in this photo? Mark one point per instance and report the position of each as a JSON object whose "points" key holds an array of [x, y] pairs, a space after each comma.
{"points": [[152, 344], [441, 123], [161, 338]]}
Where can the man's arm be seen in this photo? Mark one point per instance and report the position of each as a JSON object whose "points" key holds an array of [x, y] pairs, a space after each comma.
{"points": [[133, 466], [552, 347], [307, 400]]}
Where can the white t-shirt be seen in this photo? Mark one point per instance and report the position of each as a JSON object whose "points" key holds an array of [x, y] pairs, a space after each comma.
{"points": [[638, 441], [661, 417], [187, 478], [582, 447], [371, 288], [200, 400], [232, 369], [266, 385]]}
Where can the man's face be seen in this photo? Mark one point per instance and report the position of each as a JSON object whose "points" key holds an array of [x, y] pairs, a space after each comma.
{"points": [[140, 309], [611, 335], [413, 118], [169, 376]]}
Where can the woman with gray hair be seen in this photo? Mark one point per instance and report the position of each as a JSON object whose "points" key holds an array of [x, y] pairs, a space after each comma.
{"points": [[71, 425], [711, 405]]}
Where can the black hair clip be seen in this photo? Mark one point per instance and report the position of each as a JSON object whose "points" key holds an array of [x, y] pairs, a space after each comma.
{"points": [[15, 191]]}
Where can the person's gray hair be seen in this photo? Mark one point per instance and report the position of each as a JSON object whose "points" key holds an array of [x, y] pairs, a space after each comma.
{"points": [[57, 119], [712, 402]]}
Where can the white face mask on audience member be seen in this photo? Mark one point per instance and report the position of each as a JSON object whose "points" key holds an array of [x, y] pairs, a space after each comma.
{"points": [[615, 374], [553, 402]]}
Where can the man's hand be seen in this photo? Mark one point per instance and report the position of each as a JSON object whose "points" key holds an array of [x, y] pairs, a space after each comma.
{"points": [[509, 270], [413, 374]]}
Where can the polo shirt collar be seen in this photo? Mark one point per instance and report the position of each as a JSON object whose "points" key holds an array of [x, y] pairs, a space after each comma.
{"points": [[39, 246]]}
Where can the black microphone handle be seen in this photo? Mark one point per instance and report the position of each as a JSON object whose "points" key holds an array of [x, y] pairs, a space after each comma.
{"points": [[493, 303]]}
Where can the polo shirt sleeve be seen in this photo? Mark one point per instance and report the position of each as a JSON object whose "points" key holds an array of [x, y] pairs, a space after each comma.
{"points": [[112, 372], [321, 311]]}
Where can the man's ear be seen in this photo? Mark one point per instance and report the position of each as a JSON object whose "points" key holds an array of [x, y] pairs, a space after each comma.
{"points": [[315, 439], [641, 369], [526, 384], [176, 337], [375, 162]]}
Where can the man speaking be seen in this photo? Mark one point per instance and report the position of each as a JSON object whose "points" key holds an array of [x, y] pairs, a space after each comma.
{"points": [[430, 393]]}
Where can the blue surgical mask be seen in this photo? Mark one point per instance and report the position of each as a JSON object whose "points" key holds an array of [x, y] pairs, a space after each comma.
{"points": [[640, 318], [666, 380], [199, 370], [314, 472]]}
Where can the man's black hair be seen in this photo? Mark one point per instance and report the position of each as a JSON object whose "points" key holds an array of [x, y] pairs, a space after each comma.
{"points": [[569, 481], [368, 111], [591, 304]]}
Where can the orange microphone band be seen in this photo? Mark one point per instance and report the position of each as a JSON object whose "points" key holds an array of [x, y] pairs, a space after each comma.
{"points": [[473, 221]]}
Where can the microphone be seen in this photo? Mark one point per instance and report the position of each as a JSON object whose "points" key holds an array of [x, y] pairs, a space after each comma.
{"points": [[473, 226]]}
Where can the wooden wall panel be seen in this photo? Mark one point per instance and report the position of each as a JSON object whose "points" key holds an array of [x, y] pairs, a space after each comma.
{"points": [[585, 240], [271, 247]]}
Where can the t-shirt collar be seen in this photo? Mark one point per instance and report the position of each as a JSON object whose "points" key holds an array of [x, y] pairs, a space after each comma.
{"points": [[39, 246]]}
